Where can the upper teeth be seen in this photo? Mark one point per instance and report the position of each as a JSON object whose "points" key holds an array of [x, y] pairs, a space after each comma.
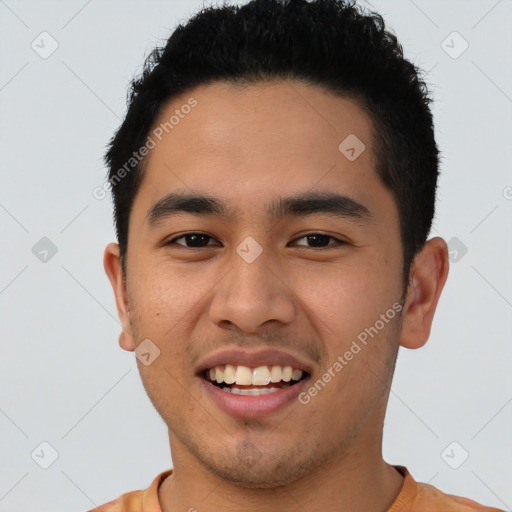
{"points": [[260, 376]]}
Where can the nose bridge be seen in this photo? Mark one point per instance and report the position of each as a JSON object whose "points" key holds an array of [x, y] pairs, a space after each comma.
{"points": [[251, 293]]}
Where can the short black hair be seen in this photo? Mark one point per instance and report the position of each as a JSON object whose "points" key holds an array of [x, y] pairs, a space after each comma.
{"points": [[333, 44]]}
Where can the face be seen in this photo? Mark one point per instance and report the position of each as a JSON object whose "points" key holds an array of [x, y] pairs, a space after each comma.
{"points": [[299, 264]]}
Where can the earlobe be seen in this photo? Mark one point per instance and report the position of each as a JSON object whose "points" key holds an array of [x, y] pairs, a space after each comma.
{"points": [[429, 272], [112, 266]]}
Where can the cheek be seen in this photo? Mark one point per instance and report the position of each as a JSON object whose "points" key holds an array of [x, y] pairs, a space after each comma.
{"points": [[159, 308], [346, 300], [165, 295], [346, 307]]}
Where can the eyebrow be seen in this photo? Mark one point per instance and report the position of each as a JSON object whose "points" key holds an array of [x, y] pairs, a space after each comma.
{"points": [[300, 205]]}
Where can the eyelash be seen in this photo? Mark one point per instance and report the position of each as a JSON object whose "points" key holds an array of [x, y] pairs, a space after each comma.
{"points": [[338, 242]]}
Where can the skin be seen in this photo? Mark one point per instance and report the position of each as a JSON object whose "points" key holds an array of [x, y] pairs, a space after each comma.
{"points": [[248, 145]]}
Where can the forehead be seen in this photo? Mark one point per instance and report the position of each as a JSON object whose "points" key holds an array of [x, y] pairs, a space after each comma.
{"points": [[289, 119], [250, 143]]}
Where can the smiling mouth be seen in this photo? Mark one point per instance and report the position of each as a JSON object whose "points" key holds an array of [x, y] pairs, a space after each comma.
{"points": [[253, 381]]}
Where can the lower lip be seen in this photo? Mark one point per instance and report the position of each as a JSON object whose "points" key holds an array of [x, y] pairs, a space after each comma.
{"points": [[253, 406]]}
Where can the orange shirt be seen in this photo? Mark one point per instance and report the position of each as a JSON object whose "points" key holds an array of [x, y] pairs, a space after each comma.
{"points": [[414, 497]]}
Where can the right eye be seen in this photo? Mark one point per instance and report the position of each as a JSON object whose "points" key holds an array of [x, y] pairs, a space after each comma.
{"points": [[196, 239]]}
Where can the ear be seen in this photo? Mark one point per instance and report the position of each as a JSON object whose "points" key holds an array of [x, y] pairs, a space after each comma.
{"points": [[429, 272], [112, 265]]}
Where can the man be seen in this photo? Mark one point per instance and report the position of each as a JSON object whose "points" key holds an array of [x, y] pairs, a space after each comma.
{"points": [[274, 186]]}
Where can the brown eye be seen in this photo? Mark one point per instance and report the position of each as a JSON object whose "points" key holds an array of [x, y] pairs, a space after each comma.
{"points": [[192, 240], [319, 240]]}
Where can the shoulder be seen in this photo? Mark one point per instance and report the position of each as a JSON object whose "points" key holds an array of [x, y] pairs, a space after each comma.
{"points": [[419, 497], [129, 501], [137, 501], [433, 496]]}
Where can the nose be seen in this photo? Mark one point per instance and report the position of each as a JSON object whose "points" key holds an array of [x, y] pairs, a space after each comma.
{"points": [[253, 294]]}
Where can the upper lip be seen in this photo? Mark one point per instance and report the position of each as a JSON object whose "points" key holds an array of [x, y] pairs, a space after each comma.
{"points": [[265, 357]]}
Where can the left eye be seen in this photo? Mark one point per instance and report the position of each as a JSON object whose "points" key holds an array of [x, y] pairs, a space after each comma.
{"points": [[197, 240], [318, 238]]}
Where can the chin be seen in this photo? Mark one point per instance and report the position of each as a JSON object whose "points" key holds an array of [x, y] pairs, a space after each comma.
{"points": [[249, 468], [257, 478]]}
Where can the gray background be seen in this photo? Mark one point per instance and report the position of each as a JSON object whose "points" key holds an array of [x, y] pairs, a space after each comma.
{"points": [[65, 381]]}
